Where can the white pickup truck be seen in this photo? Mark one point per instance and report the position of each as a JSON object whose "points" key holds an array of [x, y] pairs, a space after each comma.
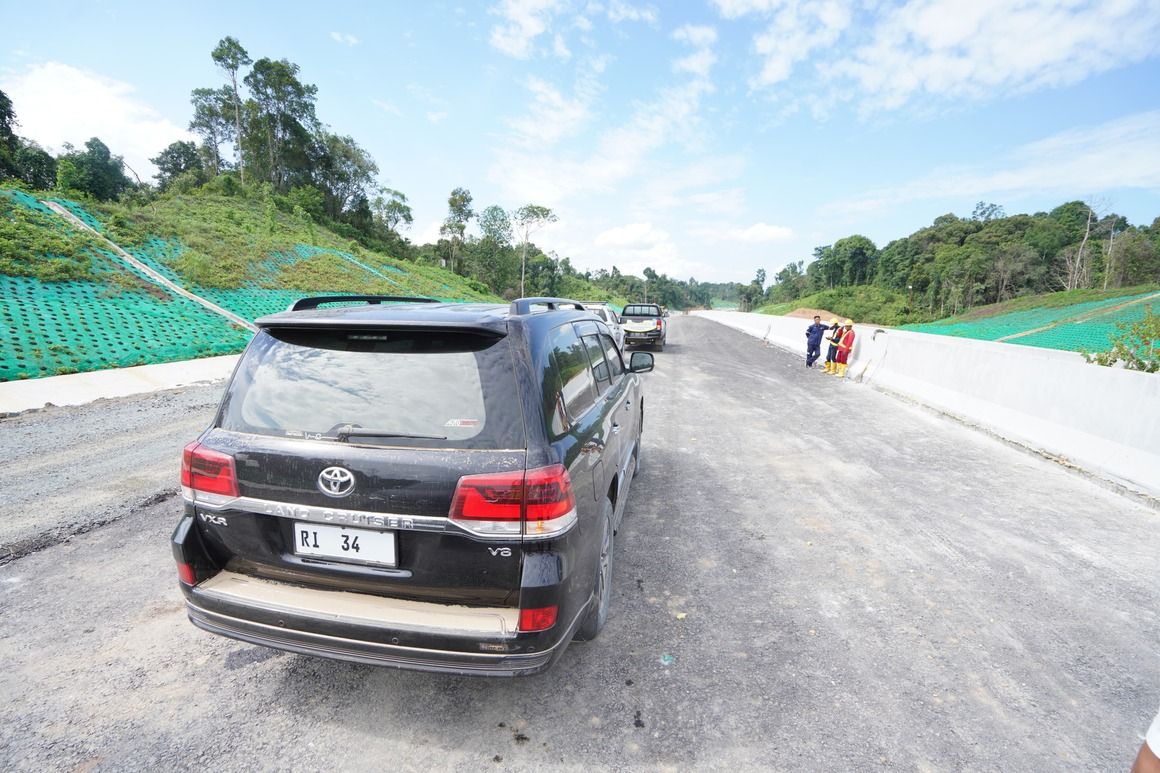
{"points": [[644, 325]]}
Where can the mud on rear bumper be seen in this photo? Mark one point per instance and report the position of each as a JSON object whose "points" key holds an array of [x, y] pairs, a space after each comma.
{"points": [[373, 653]]}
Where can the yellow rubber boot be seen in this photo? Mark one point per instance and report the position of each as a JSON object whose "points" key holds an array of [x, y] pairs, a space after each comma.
{"points": [[829, 367], [841, 370]]}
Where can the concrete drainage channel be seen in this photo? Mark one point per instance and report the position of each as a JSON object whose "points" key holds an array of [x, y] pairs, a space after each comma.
{"points": [[1102, 421]]}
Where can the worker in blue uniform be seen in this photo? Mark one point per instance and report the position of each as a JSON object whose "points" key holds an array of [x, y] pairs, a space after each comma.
{"points": [[814, 341]]}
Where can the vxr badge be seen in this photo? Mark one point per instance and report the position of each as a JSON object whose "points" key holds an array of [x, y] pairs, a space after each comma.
{"points": [[216, 520]]}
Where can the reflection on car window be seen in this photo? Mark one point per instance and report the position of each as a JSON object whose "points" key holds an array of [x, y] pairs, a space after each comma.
{"points": [[612, 355], [599, 366], [303, 384], [575, 383]]}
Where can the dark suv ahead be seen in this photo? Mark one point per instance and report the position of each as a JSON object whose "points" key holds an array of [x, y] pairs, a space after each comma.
{"points": [[423, 485]]}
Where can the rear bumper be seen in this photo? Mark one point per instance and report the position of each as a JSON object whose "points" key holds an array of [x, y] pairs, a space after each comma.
{"points": [[369, 652], [651, 337], [372, 630]]}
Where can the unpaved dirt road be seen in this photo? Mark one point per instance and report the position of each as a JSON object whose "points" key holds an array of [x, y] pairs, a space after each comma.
{"points": [[811, 576]]}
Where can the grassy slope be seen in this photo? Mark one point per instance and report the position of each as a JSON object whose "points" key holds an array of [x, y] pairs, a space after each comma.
{"points": [[227, 237], [876, 305]]}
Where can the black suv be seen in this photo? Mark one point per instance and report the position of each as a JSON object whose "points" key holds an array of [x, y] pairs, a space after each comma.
{"points": [[416, 484]]}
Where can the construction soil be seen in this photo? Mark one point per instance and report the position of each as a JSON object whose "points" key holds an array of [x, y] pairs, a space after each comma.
{"points": [[811, 313]]}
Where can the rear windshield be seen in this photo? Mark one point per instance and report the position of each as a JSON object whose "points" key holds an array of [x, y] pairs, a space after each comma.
{"points": [[641, 311], [444, 389]]}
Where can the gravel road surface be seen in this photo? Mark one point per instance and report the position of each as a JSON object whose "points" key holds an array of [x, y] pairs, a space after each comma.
{"points": [[811, 576]]}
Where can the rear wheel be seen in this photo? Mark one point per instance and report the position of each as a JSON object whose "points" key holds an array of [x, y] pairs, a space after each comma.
{"points": [[602, 589]]}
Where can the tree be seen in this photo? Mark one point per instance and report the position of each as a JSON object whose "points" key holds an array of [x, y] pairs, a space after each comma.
{"points": [[459, 212], [36, 166], [178, 158], [281, 120], [94, 171], [343, 171], [985, 212], [495, 262], [390, 209], [231, 57], [210, 123], [9, 144], [529, 219]]}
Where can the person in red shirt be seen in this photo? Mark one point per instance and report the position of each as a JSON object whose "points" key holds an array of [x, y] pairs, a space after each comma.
{"points": [[845, 344]]}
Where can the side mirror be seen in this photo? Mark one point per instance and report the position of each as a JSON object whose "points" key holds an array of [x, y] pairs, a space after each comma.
{"points": [[641, 362]]}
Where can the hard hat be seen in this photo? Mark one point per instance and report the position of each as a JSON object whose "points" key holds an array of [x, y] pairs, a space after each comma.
{"points": [[848, 322], [833, 320]]}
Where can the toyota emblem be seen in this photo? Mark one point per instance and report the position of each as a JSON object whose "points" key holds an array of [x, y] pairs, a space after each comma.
{"points": [[336, 481]]}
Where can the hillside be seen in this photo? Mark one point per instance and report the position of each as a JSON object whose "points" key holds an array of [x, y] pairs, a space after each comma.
{"points": [[1073, 320], [71, 303]]}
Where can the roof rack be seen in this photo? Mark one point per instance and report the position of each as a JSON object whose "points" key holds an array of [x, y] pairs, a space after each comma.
{"points": [[524, 305], [315, 302]]}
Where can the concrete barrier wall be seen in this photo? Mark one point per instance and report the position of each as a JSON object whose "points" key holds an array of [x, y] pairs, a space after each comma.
{"points": [[1104, 420]]}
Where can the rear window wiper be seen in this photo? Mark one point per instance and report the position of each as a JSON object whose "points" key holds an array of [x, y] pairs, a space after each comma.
{"points": [[345, 432]]}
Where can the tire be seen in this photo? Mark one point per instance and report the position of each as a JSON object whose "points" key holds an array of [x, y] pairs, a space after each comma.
{"points": [[597, 614]]}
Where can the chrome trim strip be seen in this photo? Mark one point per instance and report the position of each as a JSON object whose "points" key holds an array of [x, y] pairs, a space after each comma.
{"points": [[333, 515], [367, 520]]}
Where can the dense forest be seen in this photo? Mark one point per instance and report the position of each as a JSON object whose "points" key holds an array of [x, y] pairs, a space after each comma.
{"points": [[959, 263], [259, 136]]}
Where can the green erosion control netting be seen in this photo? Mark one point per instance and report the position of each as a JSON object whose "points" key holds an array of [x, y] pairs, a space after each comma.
{"points": [[64, 327], [122, 318], [1093, 334], [1077, 327]]}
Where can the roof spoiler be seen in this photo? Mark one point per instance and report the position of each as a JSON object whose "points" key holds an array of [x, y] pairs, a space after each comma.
{"points": [[313, 303]]}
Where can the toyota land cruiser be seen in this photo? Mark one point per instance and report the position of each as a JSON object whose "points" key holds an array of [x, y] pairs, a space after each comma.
{"points": [[416, 484]]}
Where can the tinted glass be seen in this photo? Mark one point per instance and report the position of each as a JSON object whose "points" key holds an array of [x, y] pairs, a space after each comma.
{"points": [[573, 378], [641, 310], [612, 355], [453, 388], [599, 366]]}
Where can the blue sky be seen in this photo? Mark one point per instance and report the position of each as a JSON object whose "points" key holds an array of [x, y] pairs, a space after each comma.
{"points": [[704, 139]]}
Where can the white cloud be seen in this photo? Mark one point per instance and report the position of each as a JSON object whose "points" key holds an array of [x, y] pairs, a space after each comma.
{"points": [[735, 9], [560, 48], [56, 103], [698, 36], [1124, 153], [795, 33], [940, 50], [758, 233], [344, 38], [387, 107], [528, 174], [950, 50], [552, 116], [636, 236], [436, 116], [619, 11], [698, 64], [701, 61], [523, 22]]}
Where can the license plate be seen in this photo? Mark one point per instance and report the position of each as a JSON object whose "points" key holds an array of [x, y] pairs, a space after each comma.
{"points": [[361, 545]]}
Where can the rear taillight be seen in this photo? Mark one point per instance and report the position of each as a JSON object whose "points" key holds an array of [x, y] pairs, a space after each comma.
{"points": [[186, 574], [540, 619], [205, 471], [658, 324], [499, 504]]}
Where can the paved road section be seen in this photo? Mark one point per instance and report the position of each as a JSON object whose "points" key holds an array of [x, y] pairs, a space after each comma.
{"points": [[811, 576]]}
